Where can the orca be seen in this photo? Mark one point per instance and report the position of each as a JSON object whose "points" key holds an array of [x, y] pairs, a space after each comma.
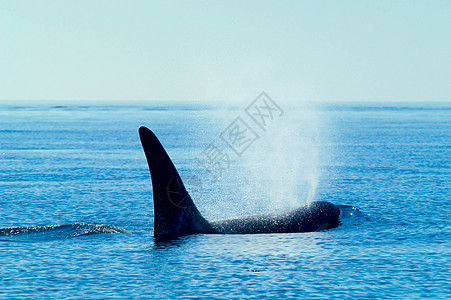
{"points": [[175, 213]]}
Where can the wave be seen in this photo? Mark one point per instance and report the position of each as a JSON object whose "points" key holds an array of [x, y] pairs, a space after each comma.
{"points": [[351, 216], [56, 232]]}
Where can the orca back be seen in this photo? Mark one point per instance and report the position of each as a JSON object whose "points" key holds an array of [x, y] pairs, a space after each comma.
{"points": [[176, 215], [315, 216]]}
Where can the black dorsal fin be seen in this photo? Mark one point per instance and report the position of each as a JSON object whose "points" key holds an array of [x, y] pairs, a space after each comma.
{"points": [[175, 212]]}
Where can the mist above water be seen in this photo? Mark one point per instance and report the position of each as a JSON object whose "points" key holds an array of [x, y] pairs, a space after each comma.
{"points": [[279, 171], [282, 168]]}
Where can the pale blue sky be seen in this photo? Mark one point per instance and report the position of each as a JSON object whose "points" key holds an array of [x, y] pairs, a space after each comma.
{"points": [[225, 50]]}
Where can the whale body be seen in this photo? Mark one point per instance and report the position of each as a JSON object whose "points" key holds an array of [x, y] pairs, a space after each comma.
{"points": [[176, 214]]}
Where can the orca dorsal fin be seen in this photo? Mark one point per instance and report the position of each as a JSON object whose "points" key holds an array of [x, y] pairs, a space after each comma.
{"points": [[175, 212]]}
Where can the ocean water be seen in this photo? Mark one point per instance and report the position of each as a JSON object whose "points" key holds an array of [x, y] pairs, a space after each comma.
{"points": [[76, 211]]}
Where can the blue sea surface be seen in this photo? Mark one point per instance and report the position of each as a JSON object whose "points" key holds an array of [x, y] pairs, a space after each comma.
{"points": [[76, 209]]}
